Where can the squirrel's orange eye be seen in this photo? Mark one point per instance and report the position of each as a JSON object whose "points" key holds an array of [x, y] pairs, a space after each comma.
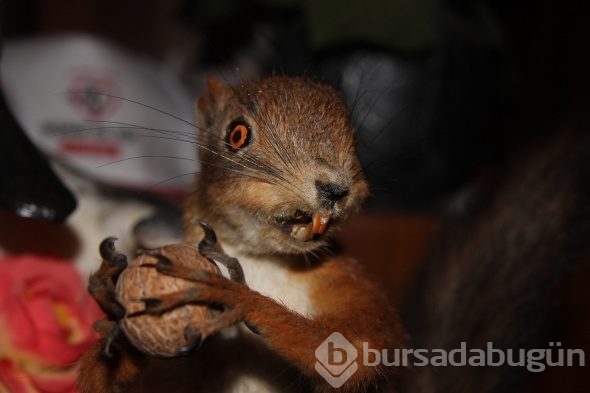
{"points": [[238, 135]]}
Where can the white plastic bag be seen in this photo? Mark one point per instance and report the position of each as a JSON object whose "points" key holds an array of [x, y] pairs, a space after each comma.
{"points": [[137, 135]]}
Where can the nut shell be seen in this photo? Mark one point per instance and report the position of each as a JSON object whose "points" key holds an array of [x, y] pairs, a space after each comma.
{"points": [[161, 335]]}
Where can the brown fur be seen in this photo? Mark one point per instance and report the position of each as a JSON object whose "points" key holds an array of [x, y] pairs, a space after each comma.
{"points": [[301, 133], [496, 282]]}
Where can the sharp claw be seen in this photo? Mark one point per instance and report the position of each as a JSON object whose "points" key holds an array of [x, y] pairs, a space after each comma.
{"points": [[106, 349], [107, 248], [210, 239], [253, 328], [108, 341], [190, 347], [194, 341], [232, 264], [208, 248], [109, 254]]}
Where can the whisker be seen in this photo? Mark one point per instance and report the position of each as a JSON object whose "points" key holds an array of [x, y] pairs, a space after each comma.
{"points": [[272, 139], [144, 156], [376, 101], [140, 127], [156, 185], [162, 131], [385, 127], [359, 93], [357, 175], [241, 173], [269, 126], [134, 102], [255, 168], [195, 141], [259, 170]]}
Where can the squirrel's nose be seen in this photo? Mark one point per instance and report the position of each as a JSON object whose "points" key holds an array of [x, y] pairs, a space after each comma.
{"points": [[331, 193]]}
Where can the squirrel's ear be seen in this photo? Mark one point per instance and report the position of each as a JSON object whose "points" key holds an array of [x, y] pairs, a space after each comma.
{"points": [[214, 90]]}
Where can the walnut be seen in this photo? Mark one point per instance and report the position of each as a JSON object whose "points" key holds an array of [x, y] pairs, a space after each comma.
{"points": [[161, 334]]}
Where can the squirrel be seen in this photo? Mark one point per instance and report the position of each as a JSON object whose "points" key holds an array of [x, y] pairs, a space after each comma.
{"points": [[279, 174]]}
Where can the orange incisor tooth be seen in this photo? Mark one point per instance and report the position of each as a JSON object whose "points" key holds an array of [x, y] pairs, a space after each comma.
{"points": [[320, 222]]}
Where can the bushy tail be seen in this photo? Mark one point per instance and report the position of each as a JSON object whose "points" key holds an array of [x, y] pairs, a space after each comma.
{"points": [[497, 283]]}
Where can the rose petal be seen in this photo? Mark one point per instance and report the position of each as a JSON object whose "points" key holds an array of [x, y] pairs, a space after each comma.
{"points": [[63, 381], [13, 379], [6, 284], [34, 271], [46, 309], [19, 324]]}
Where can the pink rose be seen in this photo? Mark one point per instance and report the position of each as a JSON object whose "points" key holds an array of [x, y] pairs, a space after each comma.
{"points": [[46, 319]]}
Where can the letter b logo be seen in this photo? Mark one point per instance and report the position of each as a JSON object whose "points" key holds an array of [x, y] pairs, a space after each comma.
{"points": [[336, 360], [336, 356]]}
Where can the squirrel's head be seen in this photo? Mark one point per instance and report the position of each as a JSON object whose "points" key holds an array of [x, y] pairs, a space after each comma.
{"points": [[279, 168]]}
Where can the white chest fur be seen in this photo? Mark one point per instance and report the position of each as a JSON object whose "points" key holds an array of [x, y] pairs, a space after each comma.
{"points": [[272, 277], [241, 348]]}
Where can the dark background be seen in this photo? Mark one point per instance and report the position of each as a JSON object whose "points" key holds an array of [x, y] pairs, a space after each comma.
{"points": [[493, 77]]}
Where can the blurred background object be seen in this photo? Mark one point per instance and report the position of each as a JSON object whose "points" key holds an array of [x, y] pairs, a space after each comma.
{"points": [[118, 118], [28, 186]]}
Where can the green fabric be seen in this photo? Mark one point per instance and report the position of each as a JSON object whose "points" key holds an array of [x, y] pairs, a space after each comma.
{"points": [[208, 11], [403, 25]]}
